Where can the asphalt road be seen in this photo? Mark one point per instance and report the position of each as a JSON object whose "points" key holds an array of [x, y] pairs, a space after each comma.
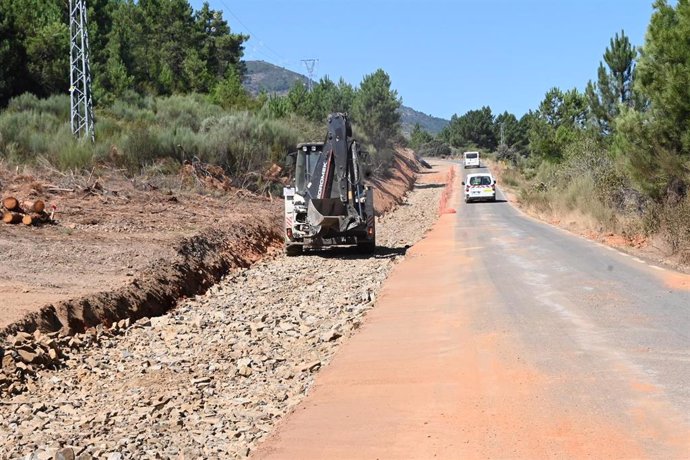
{"points": [[565, 295], [503, 337]]}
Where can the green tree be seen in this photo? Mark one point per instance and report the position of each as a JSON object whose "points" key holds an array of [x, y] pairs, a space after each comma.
{"points": [[149, 46], [513, 132], [229, 92], [473, 129], [654, 141], [614, 86], [419, 137], [48, 58], [322, 99], [218, 47], [33, 41], [12, 57], [664, 73], [125, 66], [560, 119], [376, 109], [196, 73], [298, 99], [345, 97]]}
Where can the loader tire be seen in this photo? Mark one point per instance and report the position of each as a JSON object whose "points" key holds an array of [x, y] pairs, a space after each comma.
{"points": [[292, 250]]}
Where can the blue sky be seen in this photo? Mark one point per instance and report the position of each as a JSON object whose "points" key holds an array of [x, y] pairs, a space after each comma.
{"points": [[443, 56]]}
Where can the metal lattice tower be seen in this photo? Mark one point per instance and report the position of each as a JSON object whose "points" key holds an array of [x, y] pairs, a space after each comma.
{"points": [[310, 64], [81, 105]]}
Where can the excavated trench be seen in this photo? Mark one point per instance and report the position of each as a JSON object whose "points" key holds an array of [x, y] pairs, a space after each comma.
{"points": [[199, 262]]}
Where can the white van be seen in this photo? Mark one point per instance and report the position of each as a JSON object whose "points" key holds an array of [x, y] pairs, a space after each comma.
{"points": [[471, 159], [479, 187]]}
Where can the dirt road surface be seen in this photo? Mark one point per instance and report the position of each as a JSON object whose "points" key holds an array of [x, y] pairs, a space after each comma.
{"points": [[502, 337]]}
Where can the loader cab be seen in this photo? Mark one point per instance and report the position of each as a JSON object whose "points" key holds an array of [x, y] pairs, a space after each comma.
{"points": [[307, 155]]}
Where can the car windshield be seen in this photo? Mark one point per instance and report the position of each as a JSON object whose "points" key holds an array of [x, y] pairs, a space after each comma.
{"points": [[471, 156], [480, 180]]}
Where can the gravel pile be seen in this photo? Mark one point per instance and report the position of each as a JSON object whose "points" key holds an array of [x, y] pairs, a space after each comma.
{"points": [[212, 377]]}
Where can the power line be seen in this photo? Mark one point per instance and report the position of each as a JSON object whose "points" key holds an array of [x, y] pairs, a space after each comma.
{"points": [[252, 34]]}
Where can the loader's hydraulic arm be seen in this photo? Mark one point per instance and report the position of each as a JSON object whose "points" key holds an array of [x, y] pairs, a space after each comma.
{"points": [[337, 175], [333, 171]]}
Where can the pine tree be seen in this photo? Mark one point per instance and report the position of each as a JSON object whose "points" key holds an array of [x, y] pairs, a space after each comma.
{"points": [[375, 109], [614, 85], [419, 137]]}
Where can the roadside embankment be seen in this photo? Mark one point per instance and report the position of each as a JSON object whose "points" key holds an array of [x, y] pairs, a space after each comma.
{"points": [[199, 262]]}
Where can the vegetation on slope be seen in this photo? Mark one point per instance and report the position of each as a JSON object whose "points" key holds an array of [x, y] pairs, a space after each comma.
{"points": [[167, 84]]}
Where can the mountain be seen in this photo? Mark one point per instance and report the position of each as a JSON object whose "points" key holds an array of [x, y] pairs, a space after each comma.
{"points": [[264, 76], [410, 117]]}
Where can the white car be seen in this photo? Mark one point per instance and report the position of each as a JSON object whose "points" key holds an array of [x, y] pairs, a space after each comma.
{"points": [[480, 186], [471, 159]]}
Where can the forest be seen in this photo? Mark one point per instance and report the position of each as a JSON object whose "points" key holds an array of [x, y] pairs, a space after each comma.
{"points": [[167, 88]]}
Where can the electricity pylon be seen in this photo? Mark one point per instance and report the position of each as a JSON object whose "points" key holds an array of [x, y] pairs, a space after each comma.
{"points": [[310, 64], [81, 105]]}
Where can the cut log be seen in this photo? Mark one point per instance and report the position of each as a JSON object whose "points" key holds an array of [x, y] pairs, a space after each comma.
{"points": [[27, 220], [34, 206], [12, 218], [10, 203]]}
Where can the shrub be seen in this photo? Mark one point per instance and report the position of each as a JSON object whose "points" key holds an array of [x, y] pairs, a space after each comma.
{"points": [[187, 111], [511, 177], [140, 147], [508, 154], [59, 106], [242, 142], [29, 133], [76, 154], [674, 225], [434, 148]]}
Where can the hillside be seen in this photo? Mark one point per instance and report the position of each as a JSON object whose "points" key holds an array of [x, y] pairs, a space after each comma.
{"points": [[263, 76], [429, 123]]}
